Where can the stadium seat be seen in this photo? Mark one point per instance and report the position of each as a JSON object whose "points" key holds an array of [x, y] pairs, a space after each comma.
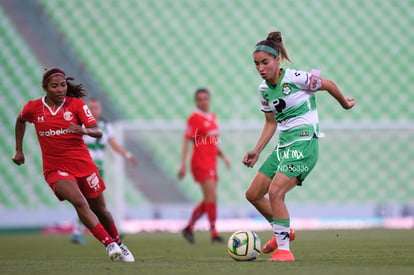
{"points": [[149, 58], [19, 75]]}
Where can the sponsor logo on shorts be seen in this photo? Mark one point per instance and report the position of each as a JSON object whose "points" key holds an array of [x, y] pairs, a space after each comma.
{"points": [[64, 174], [212, 172], [93, 181]]}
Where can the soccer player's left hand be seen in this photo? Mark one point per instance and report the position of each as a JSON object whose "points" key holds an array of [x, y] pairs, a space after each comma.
{"points": [[226, 162], [250, 158], [349, 103], [75, 128], [133, 160]]}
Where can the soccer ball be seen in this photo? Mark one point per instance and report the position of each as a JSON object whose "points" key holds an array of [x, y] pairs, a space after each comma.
{"points": [[244, 245]]}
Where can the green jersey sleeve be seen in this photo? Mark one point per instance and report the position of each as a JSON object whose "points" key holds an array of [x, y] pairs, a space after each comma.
{"points": [[304, 80]]}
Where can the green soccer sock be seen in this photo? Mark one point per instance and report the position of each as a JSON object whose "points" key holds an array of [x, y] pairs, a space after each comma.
{"points": [[282, 222], [270, 220]]}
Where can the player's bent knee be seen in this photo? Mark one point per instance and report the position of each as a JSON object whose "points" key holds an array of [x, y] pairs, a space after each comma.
{"points": [[249, 196], [252, 196], [276, 194]]}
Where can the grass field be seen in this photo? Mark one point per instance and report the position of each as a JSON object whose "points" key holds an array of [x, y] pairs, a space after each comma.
{"points": [[336, 252]]}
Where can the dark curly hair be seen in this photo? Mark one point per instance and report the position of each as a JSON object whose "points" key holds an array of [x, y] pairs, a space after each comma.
{"points": [[74, 90]]}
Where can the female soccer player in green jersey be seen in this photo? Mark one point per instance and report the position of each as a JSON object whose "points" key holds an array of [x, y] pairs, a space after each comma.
{"points": [[288, 101]]}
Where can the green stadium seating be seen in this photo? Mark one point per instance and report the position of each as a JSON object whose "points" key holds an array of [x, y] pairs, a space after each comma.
{"points": [[19, 74], [150, 56], [153, 52]]}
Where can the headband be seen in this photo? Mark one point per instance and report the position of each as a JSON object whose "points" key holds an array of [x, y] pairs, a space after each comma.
{"points": [[266, 49], [55, 74]]}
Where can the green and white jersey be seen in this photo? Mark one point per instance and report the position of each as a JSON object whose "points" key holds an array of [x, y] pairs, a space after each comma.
{"points": [[293, 103], [97, 146]]}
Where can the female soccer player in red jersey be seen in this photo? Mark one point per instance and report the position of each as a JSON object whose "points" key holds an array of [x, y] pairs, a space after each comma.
{"points": [[202, 130], [96, 147], [67, 165], [288, 100]]}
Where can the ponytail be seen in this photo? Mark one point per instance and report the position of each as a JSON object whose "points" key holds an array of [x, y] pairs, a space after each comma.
{"points": [[275, 42], [75, 90]]}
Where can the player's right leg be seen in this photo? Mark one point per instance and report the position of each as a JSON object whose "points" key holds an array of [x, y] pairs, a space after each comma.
{"points": [[198, 211], [98, 206], [256, 192], [271, 245], [208, 186], [281, 184], [68, 189]]}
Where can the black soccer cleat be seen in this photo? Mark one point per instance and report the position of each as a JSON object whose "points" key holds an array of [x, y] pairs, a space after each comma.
{"points": [[217, 239], [188, 235]]}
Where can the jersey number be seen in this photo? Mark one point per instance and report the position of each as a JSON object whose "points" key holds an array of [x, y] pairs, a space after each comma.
{"points": [[279, 104]]}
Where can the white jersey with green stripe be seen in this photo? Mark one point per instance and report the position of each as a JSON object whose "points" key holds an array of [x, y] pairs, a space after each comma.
{"points": [[293, 103], [97, 146]]}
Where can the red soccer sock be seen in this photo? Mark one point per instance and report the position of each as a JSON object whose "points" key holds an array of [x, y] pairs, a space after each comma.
{"points": [[197, 213], [113, 232], [211, 209], [101, 234]]}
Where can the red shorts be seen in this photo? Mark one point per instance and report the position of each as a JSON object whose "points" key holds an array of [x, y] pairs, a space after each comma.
{"points": [[91, 186], [202, 174]]}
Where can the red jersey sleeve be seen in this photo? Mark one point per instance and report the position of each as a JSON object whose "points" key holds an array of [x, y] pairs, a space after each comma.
{"points": [[26, 112], [191, 128], [84, 114]]}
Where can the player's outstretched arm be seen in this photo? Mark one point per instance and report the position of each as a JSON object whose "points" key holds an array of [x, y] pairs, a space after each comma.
{"points": [[333, 89], [269, 129], [20, 129], [122, 151], [92, 130]]}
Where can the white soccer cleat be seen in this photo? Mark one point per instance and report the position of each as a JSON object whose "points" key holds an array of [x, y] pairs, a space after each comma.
{"points": [[126, 254], [114, 251]]}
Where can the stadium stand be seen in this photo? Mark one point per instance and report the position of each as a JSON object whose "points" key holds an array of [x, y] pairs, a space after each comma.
{"points": [[150, 56], [20, 186], [20, 72]]}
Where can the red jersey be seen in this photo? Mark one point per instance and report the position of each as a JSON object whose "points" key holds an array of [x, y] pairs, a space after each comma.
{"points": [[203, 129], [62, 150]]}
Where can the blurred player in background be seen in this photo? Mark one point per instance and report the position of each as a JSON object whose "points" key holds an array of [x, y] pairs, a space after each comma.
{"points": [[67, 165], [202, 130], [97, 147], [288, 101]]}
